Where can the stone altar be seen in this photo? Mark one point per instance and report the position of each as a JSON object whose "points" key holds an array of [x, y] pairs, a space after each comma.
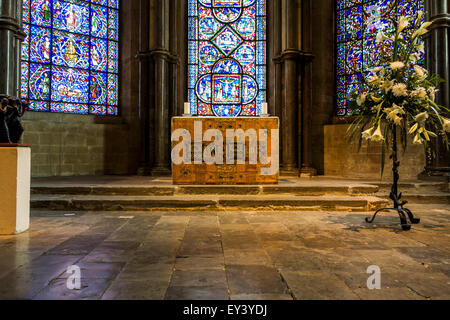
{"points": [[225, 151]]}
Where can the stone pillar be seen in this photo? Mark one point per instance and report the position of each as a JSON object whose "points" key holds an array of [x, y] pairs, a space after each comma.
{"points": [[160, 79], [144, 94], [437, 60], [162, 85], [307, 168], [11, 36], [274, 68], [290, 91]]}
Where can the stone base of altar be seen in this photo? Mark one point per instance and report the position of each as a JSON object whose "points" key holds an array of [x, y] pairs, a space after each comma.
{"points": [[198, 140]]}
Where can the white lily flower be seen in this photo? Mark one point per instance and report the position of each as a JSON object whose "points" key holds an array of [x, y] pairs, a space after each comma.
{"points": [[446, 124], [398, 120], [392, 115], [377, 69], [381, 37], [432, 93], [378, 136], [373, 79], [414, 58], [387, 86], [399, 109], [421, 47], [418, 140], [403, 23], [361, 99], [419, 17], [367, 134], [420, 93], [422, 117]]}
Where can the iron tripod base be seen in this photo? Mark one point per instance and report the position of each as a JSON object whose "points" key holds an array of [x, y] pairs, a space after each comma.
{"points": [[403, 212]]}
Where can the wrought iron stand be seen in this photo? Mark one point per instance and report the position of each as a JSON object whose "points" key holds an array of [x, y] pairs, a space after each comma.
{"points": [[395, 196]]}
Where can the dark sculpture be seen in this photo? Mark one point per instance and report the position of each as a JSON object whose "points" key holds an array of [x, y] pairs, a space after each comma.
{"points": [[11, 110]]}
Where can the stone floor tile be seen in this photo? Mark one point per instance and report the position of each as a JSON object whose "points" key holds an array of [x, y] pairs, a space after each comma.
{"points": [[388, 294], [246, 257], [198, 278], [78, 245], [296, 259], [27, 280], [136, 290], [317, 286], [254, 279], [430, 285], [358, 279], [197, 293], [260, 297], [200, 262], [241, 242], [425, 254], [91, 289], [97, 270], [142, 272], [232, 219], [321, 241], [106, 255], [201, 246]]}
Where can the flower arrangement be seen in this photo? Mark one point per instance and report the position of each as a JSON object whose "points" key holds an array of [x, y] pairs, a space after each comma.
{"points": [[399, 95]]}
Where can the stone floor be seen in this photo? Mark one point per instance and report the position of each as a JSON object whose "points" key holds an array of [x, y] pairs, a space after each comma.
{"points": [[223, 255]]}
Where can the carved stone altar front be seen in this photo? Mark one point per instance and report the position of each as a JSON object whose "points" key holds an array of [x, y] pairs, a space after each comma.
{"points": [[261, 168]]}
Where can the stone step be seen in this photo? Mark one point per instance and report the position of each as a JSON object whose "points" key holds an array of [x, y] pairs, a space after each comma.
{"points": [[421, 198], [415, 187], [206, 202], [153, 190]]}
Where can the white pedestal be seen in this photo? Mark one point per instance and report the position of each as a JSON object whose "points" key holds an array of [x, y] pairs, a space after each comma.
{"points": [[15, 179]]}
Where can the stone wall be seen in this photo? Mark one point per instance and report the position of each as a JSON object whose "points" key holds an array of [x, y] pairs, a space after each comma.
{"points": [[323, 76], [341, 158], [69, 145]]}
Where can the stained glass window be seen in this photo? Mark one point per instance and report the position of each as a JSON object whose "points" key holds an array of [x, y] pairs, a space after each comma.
{"points": [[70, 56], [227, 57], [358, 22]]}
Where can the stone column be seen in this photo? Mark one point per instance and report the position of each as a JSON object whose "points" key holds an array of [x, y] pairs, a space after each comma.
{"points": [[144, 94], [437, 60], [162, 85], [11, 36], [274, 68], [162, 82], [307, 168], [290, 91]]}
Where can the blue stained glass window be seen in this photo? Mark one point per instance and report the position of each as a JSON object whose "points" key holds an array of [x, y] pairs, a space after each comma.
{"points": [[227, 57], [70, 56], [358, 22]]}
